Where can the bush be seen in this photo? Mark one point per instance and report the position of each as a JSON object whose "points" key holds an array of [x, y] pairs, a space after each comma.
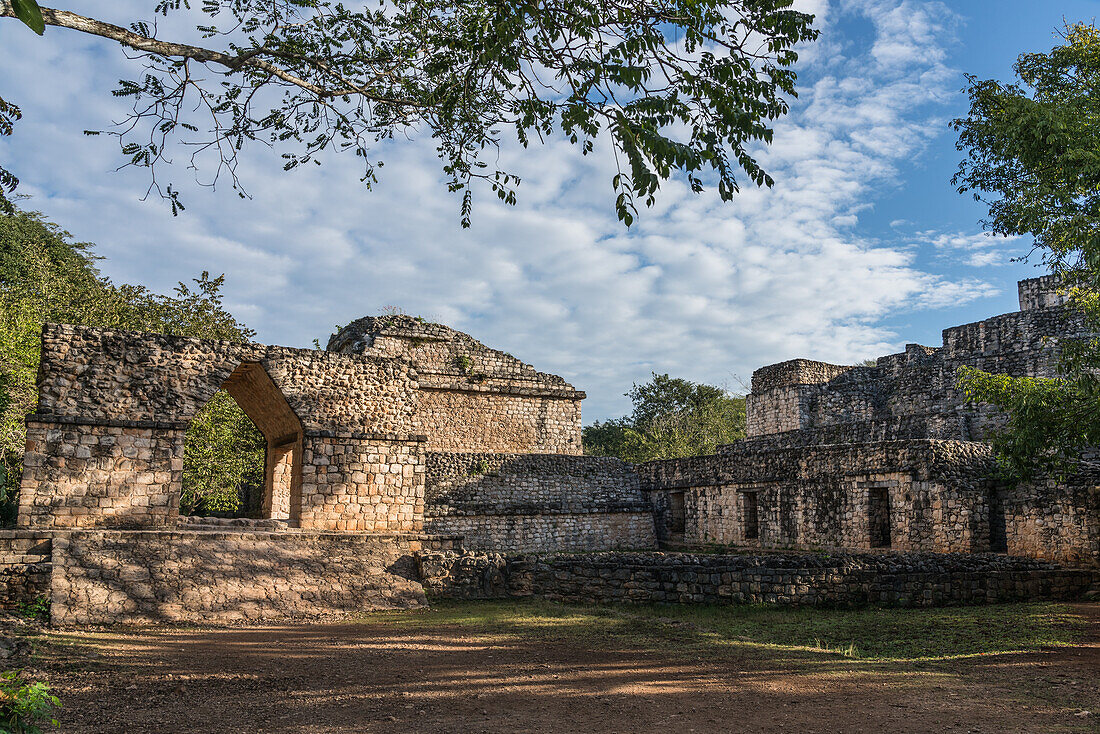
{"points": [[23, 706]]}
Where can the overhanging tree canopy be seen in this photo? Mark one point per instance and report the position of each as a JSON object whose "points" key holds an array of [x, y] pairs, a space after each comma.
{"points": [[678, 85]]}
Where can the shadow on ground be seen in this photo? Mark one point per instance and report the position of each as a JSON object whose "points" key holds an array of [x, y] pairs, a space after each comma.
{"points": [[536, 667]]}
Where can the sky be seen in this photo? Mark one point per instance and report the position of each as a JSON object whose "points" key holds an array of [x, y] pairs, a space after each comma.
{"points": [[860, 247]]}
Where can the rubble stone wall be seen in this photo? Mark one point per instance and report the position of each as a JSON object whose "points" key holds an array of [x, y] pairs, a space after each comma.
{"points": [[111, 577], [888, 579], [494, 420], [912, 394], [472, 398], [24, 568], [528, 502], [819, 496]]}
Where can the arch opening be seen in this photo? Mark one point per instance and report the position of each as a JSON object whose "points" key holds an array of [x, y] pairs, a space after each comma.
{"points": [[258, 446]]}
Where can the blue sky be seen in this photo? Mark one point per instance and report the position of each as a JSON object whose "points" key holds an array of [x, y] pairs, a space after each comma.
{"points": [[862, 245]]}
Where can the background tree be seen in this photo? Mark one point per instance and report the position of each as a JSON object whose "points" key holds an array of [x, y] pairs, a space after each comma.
{"points": [[44, 276], [678, 85], [671, 418], [1033, 156]]}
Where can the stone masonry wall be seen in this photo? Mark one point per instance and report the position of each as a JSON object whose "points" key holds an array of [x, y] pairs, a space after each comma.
{"points": [[109, 577], [940, 499], [913, 394], [819, 496], [492, 420], [24, 568], [473, 398], [354, 483], [828, 581], [509, 502], [86, 476], [105, 448]]}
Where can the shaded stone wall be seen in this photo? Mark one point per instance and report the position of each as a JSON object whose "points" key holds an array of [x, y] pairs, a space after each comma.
{"points": [[820, 496], [25, 565], [111, 577], [510, 502], [473, 398], [828, 581]]}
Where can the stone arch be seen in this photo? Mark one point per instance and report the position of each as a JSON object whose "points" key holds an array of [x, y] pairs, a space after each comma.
{"points": [[264, 403]]}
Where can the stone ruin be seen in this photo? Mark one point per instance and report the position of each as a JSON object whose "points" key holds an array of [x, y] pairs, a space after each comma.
{"points": [[409, 455]]}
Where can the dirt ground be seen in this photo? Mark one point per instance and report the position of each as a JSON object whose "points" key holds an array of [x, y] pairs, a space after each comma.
{"points": [[378, 675]]}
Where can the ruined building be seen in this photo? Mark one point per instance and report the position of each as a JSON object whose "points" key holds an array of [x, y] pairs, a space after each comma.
{"points": [[405, 438]]}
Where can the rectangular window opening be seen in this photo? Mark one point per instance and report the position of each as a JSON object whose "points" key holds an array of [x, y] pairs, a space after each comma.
{"points": [[677, 517], [878, 510], [751, 515]]}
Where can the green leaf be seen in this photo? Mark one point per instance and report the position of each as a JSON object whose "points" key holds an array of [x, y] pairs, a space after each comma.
{"points": [[29, 12]]}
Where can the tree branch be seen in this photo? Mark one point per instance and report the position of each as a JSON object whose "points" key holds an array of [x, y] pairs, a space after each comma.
{"points": [[248, 59]]}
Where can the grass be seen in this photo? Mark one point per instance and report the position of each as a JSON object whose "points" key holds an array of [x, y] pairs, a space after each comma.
{"points": [[861, 634]]}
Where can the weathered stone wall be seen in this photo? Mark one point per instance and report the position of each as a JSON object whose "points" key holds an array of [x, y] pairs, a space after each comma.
{"points": [[912, 394], [510, 502], [111, 577], [100, 475], [106, 446], [887, 579], [941, 498], [24, 568], [549, 532], [1042, 292], [106, 374], [1048, 518], [361, 483], [820, 496], [473, 398], [492, 419]]}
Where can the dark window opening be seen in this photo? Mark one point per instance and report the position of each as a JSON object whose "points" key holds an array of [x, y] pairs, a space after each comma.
{"points": [[751, 514], [878, 509], [998, 527], [677, 516]]}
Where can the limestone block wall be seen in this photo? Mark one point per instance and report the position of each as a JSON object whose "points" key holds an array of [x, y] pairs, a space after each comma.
{"points": [[472, 398], [937, 496], [1049, 518], [762, 494], [94, 475], [534, 502], [837, 580], [492, 419], [356, 482], [1041, 292], [110, 577]]}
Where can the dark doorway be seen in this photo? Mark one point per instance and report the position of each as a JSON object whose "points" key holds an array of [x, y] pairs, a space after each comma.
{"points": [[750, 509], [677, 516], [878, 510], [998, 527]]}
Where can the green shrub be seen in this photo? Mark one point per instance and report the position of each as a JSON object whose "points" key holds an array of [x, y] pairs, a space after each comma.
{"points": [[37, 609], [23, 706]]}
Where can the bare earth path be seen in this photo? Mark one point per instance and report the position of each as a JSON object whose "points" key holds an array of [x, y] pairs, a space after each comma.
{"points": [[386, 674]]}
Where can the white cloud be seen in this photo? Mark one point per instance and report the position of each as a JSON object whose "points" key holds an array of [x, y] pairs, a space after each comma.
{"points": [[697, 288]]}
